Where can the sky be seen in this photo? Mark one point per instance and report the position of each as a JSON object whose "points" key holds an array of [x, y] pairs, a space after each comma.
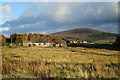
{"points": [[51, 17]]}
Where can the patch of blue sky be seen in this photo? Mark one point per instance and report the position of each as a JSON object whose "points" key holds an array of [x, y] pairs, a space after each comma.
{"points": [[16, 9]]}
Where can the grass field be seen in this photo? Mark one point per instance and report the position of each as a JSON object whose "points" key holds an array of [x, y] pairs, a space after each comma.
{"points": [[69, 62]]}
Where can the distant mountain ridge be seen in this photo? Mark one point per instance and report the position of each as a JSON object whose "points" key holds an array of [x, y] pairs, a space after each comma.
{"points": [[77, 31], [85, 34]]}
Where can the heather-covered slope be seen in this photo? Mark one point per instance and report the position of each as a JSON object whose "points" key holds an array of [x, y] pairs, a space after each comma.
{"points": [[86, 34]]}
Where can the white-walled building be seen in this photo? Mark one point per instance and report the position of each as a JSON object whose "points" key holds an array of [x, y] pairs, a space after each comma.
{"points": [[38, 42]]}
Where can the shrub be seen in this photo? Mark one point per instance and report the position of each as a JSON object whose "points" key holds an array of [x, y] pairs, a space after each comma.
{"points": [[10, 46]]}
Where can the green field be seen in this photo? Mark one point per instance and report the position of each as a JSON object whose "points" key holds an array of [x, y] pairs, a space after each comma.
{"points": [[69, 62]]}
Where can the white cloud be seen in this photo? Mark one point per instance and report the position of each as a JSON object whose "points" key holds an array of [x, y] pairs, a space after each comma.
{"points": [[99, 11], [4, 29], [62, 13], [21, 26], [13, 17], [115, 6], [4, 16], [9, 18], [43, 33], [5, 9]]}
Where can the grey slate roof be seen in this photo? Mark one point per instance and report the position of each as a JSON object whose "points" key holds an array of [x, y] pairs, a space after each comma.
{"points": [[26, 41], [40, 40]]}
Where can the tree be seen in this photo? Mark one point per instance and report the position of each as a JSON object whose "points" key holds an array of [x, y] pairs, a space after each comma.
{"points": [[57, 40], [36, 35], [42, 36], [50, 37], [13, 37], [19, 39], [117, 41], [3, 40], [25, 37], [30, 36]]}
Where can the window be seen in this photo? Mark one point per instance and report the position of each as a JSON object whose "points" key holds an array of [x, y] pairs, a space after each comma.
{"points": [[29, 45], [44, 43]]}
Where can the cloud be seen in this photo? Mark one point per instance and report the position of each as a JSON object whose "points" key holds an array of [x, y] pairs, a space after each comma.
{"points": [[4, 29], [5, 17], [5, 14], [61, 13], [112, 27], [5, 9], [21, 26], [53, 17], [13, 17]]}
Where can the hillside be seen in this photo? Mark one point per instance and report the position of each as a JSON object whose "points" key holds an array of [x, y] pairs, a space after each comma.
{"points": [[86, 34]]}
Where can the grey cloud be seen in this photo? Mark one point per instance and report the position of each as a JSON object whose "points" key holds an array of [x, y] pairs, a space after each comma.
{"points": [[53, 17]]}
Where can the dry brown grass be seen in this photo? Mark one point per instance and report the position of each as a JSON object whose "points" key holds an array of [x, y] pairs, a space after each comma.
{"points": [[59, 62]]}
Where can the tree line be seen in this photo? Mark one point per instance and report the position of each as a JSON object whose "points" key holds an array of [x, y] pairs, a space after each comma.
{"points": [[19, 38]]}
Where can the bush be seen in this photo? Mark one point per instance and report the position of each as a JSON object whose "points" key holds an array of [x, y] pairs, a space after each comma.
{"points": [[10, 46], [7, 43]]}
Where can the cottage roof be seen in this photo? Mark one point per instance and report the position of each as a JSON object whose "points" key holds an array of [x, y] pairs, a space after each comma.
{"points": [[40, 40], [26, 41]]}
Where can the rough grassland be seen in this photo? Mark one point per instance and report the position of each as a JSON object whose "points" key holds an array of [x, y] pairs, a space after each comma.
{"points": [[39, 62]]}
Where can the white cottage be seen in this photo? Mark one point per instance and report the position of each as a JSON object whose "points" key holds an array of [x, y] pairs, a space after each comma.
{"points": [[38, 42]]}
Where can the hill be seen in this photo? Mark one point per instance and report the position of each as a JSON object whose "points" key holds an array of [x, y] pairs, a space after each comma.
{"points": [[86, 34]]}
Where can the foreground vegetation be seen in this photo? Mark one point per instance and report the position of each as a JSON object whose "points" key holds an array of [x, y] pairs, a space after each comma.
{"points": [[69, 62]]}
